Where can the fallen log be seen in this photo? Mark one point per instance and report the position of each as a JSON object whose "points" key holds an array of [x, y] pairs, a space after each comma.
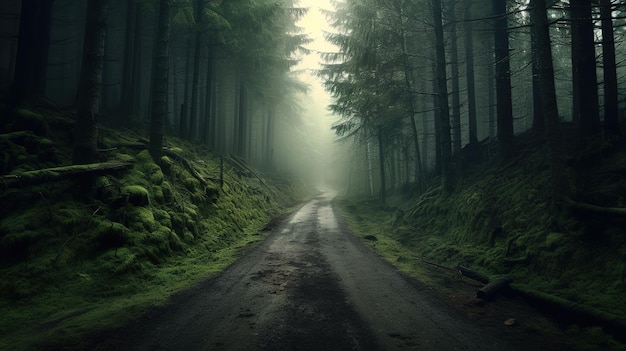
{"points": [[572, 312], [492, 289], [593, 208], [464, 271], [55, 174]]}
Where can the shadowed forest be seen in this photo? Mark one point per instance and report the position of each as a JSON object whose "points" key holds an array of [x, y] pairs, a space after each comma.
{"points": [[146, 145]]}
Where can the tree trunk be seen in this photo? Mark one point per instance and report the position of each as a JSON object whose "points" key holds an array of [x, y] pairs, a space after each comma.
{"points": [[471, 84], [408, 77], [585, 76], [184, 128], [538, 116], [193, 110], [381, 160], [503, 81], [242, 133], [611, 123], [159, 80], [208, 101], [31, 64], [442, 102], [86, 132], [127, 69], [454, 68], [137, 66], [542, 56]]}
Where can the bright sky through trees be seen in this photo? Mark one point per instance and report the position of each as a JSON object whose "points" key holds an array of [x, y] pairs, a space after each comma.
{"points": [[315, 102]]}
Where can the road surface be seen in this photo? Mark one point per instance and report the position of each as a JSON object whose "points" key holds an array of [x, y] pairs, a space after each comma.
{"points": [[311, 285]]}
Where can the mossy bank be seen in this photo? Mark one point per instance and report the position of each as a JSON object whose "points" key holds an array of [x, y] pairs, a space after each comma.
{"points": [[498, 222], [78, 259]]}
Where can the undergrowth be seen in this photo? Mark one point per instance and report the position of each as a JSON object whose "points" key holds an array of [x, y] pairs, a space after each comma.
{"points": [[498, 222], [74, 261]]}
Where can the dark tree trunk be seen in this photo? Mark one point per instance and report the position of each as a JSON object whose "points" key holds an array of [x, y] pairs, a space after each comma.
{"points": [[184, 128], [159, 80], [269, 139], [129, 51], [241, 139], [611, 124], [410, 98], [193, 110], [208, 101], [381, 155], [86, 132], [585, 76], [455, 115], [503, 81], [542, 54], [31, 64], [471, 84], [538, 116], [436, 121], [447, 176], [137, 67]]}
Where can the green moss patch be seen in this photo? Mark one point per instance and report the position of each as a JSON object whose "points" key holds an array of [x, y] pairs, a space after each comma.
{"points": [[73, 263]]}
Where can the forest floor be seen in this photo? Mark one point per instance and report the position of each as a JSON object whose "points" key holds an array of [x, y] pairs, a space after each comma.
{"points": [[313, 285], [73, 261], [570, 263]]}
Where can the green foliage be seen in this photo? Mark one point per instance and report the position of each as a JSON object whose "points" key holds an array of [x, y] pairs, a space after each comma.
{"points": [[138, 238], [499, 224]]}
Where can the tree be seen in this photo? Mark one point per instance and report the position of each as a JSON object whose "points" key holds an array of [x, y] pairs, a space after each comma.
{"points": [[584, 70], [504, 97], [542, 57], [159, 80], [86, 132], [469, 68], [609, 68], [31, 63], [443, 130]]}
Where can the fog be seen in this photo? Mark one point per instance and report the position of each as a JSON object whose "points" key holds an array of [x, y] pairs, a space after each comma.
{"points": [[320, 158]]}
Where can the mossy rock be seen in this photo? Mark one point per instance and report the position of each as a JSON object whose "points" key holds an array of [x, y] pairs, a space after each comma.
{"points": [[168, 193], [191, 184], [149, 170], [136, 195], [29, 120], [112, 235], [140, 220], [167, 165], [157, 194], [163, 217]]}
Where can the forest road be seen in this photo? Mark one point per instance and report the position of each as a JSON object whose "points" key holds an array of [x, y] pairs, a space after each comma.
{"points": [[310, 285]]}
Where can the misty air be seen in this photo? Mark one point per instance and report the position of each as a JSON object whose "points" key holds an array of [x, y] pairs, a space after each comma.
{"points": [[304, 175]]}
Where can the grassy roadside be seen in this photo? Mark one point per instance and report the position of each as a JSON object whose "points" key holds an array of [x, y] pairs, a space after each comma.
{"points": [[497, 223], [75, 262]]}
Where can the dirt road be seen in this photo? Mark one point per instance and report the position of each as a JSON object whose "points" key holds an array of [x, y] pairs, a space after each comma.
{"points": [[310, 286]]}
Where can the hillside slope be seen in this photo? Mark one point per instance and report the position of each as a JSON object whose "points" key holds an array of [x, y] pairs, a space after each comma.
{"points": [[75, 259], [571, 262]]}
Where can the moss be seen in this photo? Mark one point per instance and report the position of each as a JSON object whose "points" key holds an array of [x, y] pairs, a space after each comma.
{"points": [[125, 158], [166, 165], [111, 235], [191, 184], [140, 220], [29, 120], [136, 195]]}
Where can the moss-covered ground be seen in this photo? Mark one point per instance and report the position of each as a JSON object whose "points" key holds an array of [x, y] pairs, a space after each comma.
{"points": [[82, 255], [499, 222]]}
